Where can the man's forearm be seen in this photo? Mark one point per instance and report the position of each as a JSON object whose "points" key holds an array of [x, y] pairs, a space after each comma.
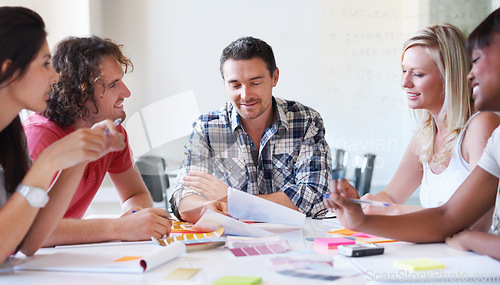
{"points": [[142, 200], [279, 198], [190, 208]]}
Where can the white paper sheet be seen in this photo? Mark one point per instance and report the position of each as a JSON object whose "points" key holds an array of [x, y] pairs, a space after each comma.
{"points": [[103, 261], [212, 221], [244, 206]]}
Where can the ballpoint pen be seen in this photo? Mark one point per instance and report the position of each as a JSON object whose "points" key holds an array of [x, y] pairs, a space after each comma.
{"points": [[168, 218], [358, 201], [116, 123]]}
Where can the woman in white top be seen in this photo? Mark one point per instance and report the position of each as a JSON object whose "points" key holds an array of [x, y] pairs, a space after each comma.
{"points": [[28, 214], [450, 136]]}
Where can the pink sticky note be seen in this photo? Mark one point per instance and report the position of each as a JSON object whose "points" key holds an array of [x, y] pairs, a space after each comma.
{"points": [[332, 243], [363, 235]]}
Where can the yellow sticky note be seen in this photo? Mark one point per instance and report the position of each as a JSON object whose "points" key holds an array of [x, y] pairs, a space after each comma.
{"points": [[238, 280], [128, 258], [182, 273], [418, 264]]}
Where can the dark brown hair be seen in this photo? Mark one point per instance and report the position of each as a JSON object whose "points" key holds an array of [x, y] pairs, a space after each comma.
{"points": [[481, 36], [249, 48], [22, 35]]}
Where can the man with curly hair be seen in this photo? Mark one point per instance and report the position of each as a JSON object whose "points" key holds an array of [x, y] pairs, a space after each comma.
{"points": [[90, 89]]}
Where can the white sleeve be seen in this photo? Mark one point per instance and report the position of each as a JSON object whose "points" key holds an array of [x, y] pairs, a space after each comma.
{"points": [[490, 159]]}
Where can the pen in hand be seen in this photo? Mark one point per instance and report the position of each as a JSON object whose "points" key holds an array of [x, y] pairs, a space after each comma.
{"points": [[116, 123], [358, 201], [168, 218]]}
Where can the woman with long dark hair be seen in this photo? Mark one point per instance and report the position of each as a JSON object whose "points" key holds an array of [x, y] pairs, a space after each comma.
{"points": [[28, 210]]}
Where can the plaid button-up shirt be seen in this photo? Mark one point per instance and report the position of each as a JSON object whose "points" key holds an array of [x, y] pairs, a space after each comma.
{"points": [[294, 156]]}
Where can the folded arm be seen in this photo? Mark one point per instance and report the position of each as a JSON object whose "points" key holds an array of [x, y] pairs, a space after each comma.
{"points": [[69, 154]]}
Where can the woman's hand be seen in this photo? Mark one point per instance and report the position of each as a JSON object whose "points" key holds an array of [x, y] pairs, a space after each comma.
{"points": [[114, 140], [377, 210], [350, 214], [459, 240], [83, 145]]}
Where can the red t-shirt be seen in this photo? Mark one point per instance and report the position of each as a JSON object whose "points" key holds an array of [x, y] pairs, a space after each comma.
{"points": [[40, 133]]}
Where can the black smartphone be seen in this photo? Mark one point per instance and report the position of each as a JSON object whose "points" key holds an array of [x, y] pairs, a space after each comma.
{"points": [[358, 250]]}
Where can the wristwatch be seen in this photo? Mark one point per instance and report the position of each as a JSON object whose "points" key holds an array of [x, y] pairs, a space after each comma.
{"points": [[36, 197]]}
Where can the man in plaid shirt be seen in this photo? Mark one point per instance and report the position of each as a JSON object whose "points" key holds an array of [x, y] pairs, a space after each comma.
{"points": [[265, 146]]}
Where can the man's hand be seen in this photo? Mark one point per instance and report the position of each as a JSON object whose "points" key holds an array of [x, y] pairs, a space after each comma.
{"points": [[216, 206], [144, 224], [133, 210], [207, 185]]}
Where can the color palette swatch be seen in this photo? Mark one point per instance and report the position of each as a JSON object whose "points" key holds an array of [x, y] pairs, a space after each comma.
{"points": [[179, 227], [308, 264], [247, 246], [294, 273], [259, 250], [186, 238]]}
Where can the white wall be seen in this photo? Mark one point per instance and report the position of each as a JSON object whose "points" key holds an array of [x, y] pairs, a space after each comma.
{"points": [[340, 57], [62, 18]]}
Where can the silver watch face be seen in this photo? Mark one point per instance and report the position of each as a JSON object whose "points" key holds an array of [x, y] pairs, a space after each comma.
{"points": [[36, 197]]}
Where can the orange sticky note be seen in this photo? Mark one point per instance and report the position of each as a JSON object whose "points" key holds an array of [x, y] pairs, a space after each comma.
{"points": [[128, 258], [344, 232]]}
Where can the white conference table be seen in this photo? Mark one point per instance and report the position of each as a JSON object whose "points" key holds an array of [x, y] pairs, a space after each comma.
{"points": [[218, 262]]}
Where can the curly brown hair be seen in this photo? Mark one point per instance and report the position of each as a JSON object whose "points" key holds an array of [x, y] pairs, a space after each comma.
{"points": [[78, 61]]}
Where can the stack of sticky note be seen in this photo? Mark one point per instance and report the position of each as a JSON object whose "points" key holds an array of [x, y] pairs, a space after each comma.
{"points": [[332, 243], [359, 236], [418, 264]]}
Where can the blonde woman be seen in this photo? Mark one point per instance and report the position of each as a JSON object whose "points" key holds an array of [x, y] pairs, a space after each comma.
{"points": [[450, 135]]}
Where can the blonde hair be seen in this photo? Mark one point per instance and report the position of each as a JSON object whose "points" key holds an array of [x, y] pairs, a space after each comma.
{"points": [[446, 45]]}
